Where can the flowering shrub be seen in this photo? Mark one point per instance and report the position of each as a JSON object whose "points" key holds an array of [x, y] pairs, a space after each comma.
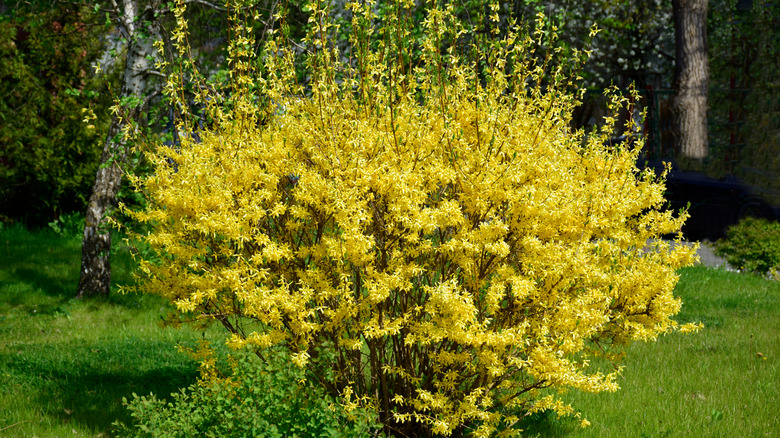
{"points": [[430, 240]]}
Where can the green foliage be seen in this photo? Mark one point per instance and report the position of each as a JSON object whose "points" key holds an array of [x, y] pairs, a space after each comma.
{"points": [[273, 401], [752, 245], [69, 224], [48, 156], [745, 87]]}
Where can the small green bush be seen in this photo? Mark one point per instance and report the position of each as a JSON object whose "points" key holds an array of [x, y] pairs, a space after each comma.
{"points": [[271, 401], [68, 225], [752, 245]]}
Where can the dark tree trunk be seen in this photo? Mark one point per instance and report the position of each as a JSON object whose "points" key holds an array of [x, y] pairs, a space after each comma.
{"points": [[96, 246], [691, 78]]}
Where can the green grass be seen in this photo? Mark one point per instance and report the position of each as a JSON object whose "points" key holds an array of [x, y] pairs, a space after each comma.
{"points": [[721, 382], [65, 364]]}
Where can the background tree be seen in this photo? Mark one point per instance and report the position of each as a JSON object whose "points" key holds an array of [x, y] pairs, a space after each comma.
{"points": [[634, 46], [139, 27], [745, 125], [691, 78], [48, 156]]}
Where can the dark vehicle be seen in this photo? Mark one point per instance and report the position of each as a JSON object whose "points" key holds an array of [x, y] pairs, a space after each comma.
{"points": [[713, 204]]}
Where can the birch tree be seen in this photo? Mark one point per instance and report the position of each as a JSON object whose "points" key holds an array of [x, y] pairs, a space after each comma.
{"points": [[139, 28], [141, 23]]}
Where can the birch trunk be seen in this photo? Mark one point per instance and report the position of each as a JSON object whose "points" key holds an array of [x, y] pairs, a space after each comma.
{"points": [[691, 78], [96, 246]]}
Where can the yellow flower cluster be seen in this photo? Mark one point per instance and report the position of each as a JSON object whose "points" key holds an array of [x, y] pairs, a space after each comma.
{"points": [[435, 233]]}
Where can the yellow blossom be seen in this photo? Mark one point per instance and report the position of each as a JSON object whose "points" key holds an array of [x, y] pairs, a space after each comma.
{"points": [[439, 234]]}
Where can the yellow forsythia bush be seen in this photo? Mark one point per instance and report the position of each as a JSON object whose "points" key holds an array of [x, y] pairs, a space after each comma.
{"points": [[413, 221]]}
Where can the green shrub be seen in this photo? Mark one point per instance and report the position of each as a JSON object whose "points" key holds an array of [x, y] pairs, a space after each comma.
{"points": [[48, 156], [68, 225], [752, 245], [269, 401]]}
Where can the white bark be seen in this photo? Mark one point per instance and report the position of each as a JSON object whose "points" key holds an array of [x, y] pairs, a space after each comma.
{"points": [[96, 247]]}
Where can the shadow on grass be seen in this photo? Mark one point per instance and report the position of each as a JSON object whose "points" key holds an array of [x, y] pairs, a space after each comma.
{"points": [[95, 400], [39, 270], [45, 263], [547, 424], [86, 385], [56, 377]]}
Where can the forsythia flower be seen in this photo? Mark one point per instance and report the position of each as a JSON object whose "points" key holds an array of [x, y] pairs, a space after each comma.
{"points": [[438, 237]]}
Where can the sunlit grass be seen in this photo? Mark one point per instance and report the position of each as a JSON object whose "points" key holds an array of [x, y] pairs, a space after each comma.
{"points": [[721, 382]]}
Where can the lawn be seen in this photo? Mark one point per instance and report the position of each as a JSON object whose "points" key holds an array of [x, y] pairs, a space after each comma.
{"points": [[721, 382], [65, 364]]}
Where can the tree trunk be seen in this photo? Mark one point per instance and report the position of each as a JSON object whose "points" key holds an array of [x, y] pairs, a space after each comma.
{"points": [[96, 246], [691, 78]]}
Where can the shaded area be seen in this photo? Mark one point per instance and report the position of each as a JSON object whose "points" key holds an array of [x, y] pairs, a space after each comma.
{"points": [[41, 261], [70, 362], [39, 271], [85, 383], [547, 424]]}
